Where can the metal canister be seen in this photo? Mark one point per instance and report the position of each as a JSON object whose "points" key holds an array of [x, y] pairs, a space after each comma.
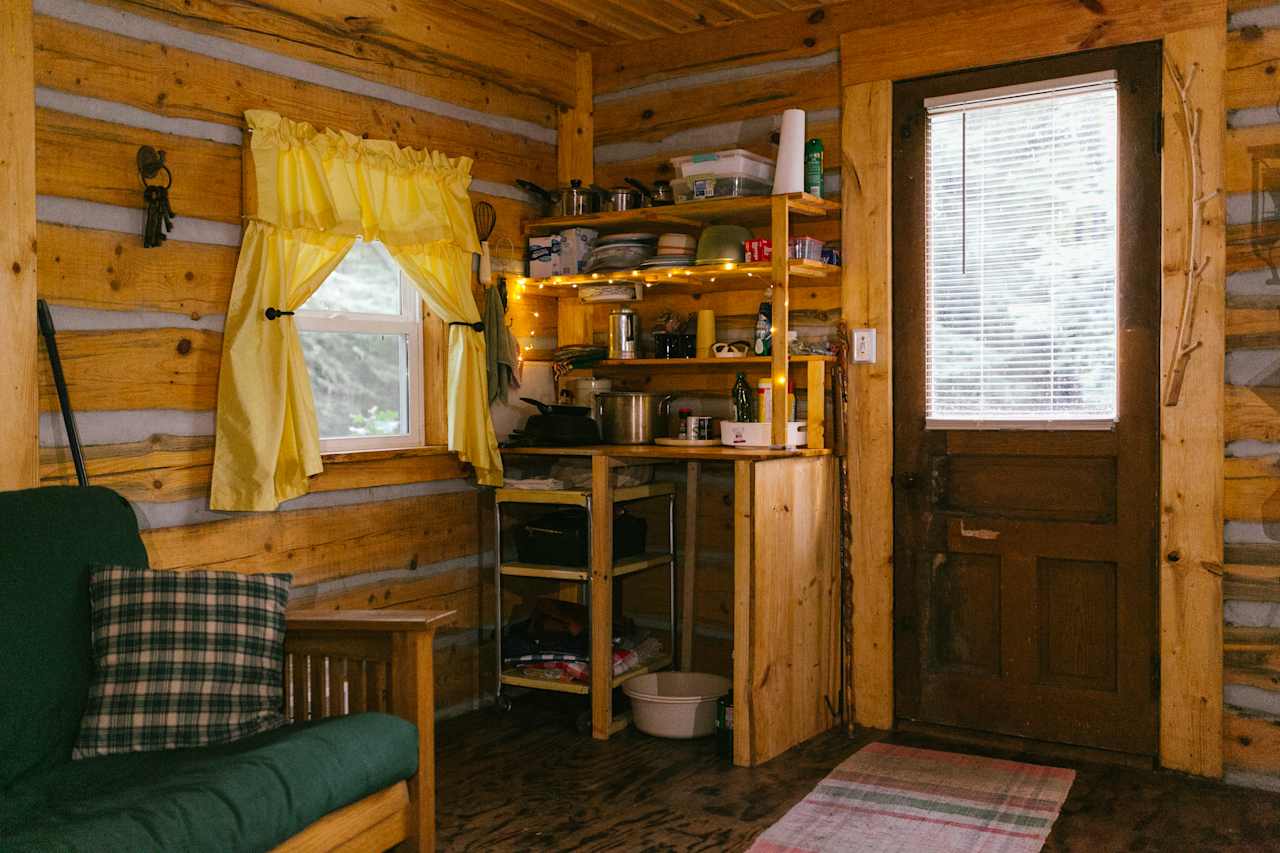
{"points": [[622, 333]]}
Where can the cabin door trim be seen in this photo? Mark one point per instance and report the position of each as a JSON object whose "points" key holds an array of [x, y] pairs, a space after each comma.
{"points": [[1191, 456]]}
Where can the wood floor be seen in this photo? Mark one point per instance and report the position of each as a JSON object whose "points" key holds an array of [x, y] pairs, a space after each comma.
{"points": [[527, 781]]}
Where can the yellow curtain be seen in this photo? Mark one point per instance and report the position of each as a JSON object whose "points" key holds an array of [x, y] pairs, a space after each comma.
{"points": [[317, 191]]}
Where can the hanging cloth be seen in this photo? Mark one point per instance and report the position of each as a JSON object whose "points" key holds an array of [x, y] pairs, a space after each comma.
{"points": [[317, 192], [502, 348]]}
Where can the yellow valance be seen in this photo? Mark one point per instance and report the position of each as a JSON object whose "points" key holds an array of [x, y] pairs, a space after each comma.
{"points": [[317, 192]]}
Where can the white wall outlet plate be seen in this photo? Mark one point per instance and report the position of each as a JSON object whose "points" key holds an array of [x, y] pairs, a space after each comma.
{"points": [[864, 346]]}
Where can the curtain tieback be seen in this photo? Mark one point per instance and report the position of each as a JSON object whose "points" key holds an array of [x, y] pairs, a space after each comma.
{"points": [[273, 313], [479, 327]]}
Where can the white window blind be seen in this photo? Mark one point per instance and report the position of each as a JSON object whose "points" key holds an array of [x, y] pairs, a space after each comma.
{"points": [[1021, 257]]}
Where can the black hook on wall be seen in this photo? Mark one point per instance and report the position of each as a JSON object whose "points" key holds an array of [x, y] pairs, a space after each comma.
{"points": [[159, 214]]}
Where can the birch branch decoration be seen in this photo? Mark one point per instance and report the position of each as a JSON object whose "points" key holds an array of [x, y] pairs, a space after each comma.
{"points": [[1194, 263]]}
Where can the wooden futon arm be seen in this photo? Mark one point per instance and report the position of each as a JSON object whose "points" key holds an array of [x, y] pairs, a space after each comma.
{"points": [[348, 661], [380, 621]]}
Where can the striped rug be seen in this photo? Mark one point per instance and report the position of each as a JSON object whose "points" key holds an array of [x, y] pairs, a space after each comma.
{"points": [[891, 799]]}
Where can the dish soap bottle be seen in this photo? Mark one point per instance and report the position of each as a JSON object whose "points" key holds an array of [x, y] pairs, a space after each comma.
{"points": [[764, 324], [741, 399]]}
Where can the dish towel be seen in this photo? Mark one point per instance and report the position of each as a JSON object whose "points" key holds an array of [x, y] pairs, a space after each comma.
{"points": [[501, 346]]}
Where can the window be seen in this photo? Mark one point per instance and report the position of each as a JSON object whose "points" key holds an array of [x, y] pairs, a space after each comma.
{"points": [[362, 338], [1021, 257]]}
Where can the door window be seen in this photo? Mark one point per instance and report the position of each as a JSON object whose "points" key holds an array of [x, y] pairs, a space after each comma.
{"points": [[1021, 257]]}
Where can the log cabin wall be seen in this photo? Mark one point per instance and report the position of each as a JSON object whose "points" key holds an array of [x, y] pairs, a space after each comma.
{"points": [[1251, 584], [140, 330]]}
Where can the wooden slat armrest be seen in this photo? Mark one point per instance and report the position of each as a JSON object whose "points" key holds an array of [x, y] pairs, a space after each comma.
{"points": [[379, 621]]}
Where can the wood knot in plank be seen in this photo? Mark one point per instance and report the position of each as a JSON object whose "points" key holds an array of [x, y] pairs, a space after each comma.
{"points": [[1093, 6], [184, 346]]}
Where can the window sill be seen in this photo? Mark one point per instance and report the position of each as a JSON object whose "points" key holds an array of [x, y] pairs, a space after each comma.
{"points": [[390, 453]]}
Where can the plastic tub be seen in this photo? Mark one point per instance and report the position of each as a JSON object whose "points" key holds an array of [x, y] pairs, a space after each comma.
{"points": [[752, 434], [732, 162], [675, 704], [698, 187]]}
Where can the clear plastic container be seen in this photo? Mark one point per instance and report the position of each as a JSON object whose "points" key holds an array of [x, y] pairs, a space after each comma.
{"points": [[700, 187], [735, 162], [806, 249]]}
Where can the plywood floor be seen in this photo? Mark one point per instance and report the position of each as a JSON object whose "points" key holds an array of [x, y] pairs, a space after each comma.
{"points": [[527, 781]]}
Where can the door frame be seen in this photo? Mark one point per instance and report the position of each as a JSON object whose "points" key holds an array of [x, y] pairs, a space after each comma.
{"points": [[1191, 458]]}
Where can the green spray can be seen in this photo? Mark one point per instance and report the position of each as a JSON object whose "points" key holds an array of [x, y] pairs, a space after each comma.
{"points": [[813, 167]]}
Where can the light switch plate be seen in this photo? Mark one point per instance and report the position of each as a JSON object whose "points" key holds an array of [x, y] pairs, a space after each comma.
{"points": [[864, 346]]}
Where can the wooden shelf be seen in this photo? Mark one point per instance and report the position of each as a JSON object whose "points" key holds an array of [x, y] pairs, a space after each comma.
{"points": [[702, 279], [578, 497], [513, 677], [749, 210], [661, 453], [704, 363], [627, 566]]}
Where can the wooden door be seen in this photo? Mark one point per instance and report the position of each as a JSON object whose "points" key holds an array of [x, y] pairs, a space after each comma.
{"points": [[1026, 560]]}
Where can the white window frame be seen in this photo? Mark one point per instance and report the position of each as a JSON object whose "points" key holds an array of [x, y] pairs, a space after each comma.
{"points": [[408, 323], [1023, 93]]}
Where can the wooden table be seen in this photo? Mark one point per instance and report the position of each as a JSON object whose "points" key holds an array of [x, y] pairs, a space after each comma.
{"points": [[786, 619]]}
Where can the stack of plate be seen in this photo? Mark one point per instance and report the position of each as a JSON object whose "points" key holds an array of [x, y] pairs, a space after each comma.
{"points": [[674, 250], [620, 251]]}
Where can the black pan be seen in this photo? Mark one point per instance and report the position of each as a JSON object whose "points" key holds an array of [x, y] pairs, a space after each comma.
{"points": [[555, 409]]}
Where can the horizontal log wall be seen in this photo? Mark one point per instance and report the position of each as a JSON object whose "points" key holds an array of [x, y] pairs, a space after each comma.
{"points": [[1251, 581], [140, 331]]}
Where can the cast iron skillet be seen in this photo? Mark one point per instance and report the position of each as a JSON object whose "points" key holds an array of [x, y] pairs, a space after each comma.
{"points": [[555, 409]]}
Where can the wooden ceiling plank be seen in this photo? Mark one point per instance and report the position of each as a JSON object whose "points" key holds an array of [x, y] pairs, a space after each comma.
{"points": [[570, 31], [607, 16], [790, 35]]}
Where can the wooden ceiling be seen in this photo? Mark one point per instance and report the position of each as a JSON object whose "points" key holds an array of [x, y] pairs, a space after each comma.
{"points": [[598, 23]]}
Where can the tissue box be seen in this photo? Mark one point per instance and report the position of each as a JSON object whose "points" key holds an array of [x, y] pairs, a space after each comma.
{"points": [[575, 249], [546, 256]]}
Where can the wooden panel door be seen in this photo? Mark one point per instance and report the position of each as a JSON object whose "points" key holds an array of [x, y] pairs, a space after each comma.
{"points": [[1025, 561]]}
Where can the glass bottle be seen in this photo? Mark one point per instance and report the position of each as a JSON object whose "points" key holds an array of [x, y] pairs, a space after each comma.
{"points": [[741, 399]]}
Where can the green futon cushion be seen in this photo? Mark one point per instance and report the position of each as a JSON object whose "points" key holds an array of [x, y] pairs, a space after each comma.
{"points": [[244, 796]]}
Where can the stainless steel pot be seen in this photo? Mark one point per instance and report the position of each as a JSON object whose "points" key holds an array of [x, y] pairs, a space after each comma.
{"points": [[625, 198], [632, 417], [573, 200]]}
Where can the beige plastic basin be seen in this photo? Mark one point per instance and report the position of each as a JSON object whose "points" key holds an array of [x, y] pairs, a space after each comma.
{"points": [[675, 704]]}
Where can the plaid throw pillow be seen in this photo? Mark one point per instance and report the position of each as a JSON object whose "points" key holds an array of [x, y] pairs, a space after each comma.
{"points": [[182, 659]]}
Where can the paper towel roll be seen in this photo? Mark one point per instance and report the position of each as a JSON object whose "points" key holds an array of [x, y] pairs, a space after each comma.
{"points": [[788, 176], [706, 333]]}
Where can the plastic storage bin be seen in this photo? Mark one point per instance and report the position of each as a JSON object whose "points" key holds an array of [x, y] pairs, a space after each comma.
{"points": [[752, 434], [735, 162], [700, 187]]}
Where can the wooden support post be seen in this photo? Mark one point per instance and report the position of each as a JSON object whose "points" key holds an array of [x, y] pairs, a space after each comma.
{"points": [[576, 129], [1191, 432], [693, 474], [867, 294], [743, 589], [601, 598], [817, 414], [781, 236], [19, 388], [575, 159], [412, 699]]}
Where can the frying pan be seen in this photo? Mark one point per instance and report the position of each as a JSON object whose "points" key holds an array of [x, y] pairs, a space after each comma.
{"points": [[556, 409]]}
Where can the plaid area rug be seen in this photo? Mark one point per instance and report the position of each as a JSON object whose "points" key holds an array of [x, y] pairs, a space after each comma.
{"points": [[886, 799]]}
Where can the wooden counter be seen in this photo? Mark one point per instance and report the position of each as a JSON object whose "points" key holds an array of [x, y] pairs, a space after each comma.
{"points": [[786, 591]]}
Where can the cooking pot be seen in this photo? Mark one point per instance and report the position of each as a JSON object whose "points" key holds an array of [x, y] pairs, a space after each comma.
{"points": [[573, 200], [625, 198], [632, 417]]}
